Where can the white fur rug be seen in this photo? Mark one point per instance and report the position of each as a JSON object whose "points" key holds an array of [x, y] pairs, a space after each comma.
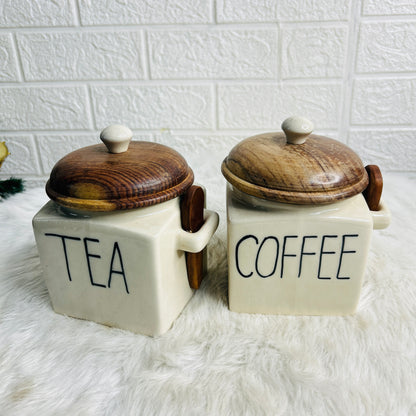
{"points": [[212, 361]]}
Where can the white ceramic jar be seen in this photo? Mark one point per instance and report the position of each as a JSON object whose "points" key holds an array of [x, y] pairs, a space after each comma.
{"points": [[299, 227], [112, 241]]}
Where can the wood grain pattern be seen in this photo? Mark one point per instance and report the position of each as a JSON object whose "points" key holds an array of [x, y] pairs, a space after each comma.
{"points": [[319, 171], [94, 179], [192, 217], [372, 193]]}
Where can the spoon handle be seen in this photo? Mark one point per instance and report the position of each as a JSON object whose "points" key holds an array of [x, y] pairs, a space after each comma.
{"points": [[192, 218], [372, 193]]}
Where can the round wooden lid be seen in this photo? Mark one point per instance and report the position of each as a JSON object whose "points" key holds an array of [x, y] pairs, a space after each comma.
{"points": [[295, 167], [119, 175]]}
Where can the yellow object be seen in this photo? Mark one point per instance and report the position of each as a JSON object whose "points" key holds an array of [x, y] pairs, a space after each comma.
{"points": [[4, 152]]}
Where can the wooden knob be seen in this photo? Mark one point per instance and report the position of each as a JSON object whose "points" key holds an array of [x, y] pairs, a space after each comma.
{"points": [[117, 138], [297, 129]]}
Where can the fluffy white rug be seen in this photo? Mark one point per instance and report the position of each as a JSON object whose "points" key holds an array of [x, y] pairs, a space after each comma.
{"points": [[212, 361]]}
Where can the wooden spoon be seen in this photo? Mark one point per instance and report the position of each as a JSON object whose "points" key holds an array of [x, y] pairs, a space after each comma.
{"points": [[192, 217], [372, 193]]}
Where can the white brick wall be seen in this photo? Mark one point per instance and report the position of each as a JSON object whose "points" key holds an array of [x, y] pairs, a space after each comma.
{"points": [[213, 54], [154, 106], [199, 75], [249, 105], [283, 10], [8, 64], [140, 12], [313, 51], [44, 108], [71, 56]]}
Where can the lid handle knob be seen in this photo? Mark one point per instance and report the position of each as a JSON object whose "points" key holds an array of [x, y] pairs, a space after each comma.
{"points": [[117, 138], [297, 129]]}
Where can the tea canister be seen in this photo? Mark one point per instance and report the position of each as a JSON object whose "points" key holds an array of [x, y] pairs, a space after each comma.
{"points": [[116, 239], [299, 225]]}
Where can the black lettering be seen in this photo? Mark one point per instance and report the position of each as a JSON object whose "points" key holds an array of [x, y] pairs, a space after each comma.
{"points": [[275, 261], [236, 253], [64, 237], [304, 253], [88, 255], [324, 252], [284, 252], [342, 253], [116, 249]]}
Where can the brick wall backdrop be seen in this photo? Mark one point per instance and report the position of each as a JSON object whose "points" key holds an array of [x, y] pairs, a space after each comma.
{"points": [[200, 75]]}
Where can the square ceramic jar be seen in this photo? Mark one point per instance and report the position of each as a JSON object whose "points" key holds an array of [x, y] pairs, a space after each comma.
{"points": [[114, 242], [299, 227]]}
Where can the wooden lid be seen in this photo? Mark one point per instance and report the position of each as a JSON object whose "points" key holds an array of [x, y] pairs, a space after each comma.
{"points": [[118, 175], [295, 167]]}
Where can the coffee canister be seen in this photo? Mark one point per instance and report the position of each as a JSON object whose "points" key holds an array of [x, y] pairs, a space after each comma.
{"points": [[301, 209]]}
